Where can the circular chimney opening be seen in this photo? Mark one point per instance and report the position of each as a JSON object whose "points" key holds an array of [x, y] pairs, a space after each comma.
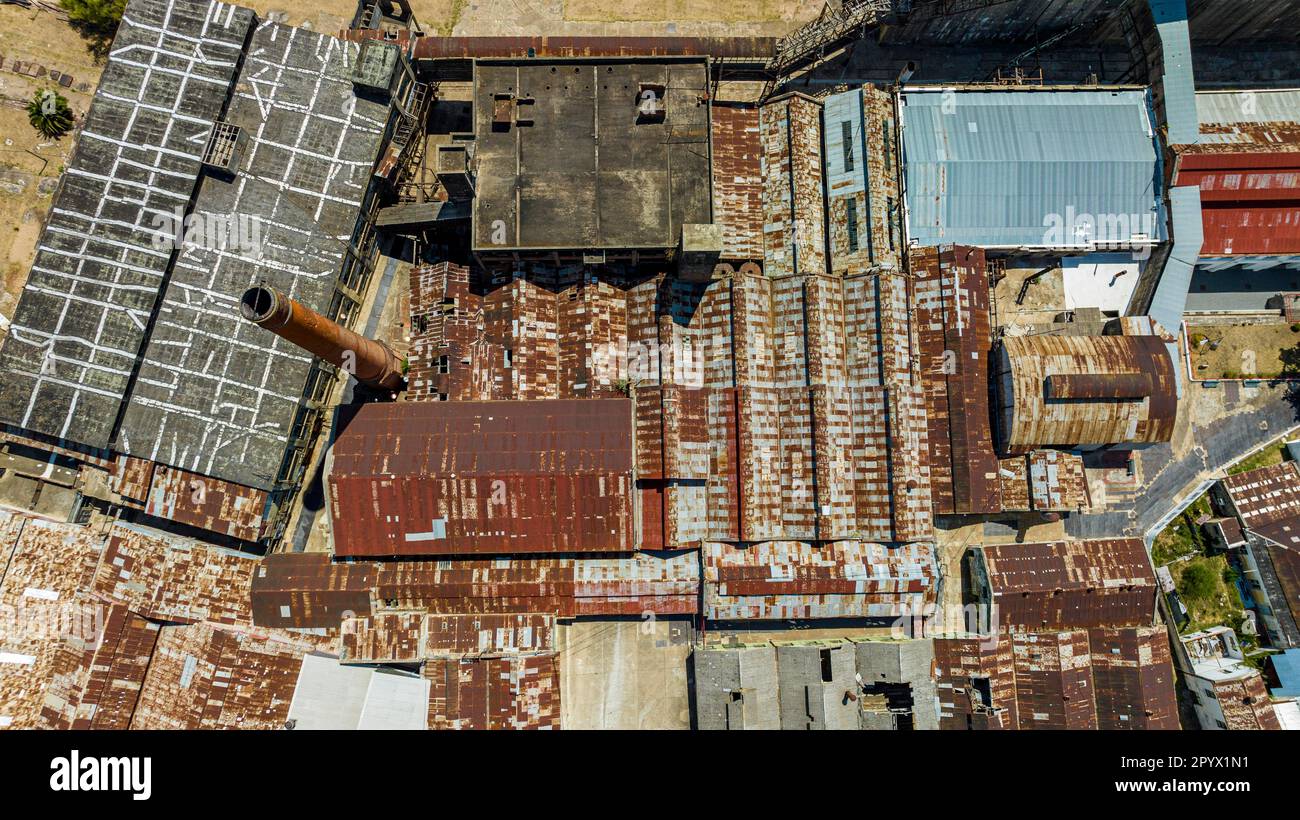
{"points": [[257, 304]]}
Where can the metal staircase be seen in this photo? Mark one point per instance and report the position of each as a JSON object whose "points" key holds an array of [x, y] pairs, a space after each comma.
{"points": [[840, 22]]}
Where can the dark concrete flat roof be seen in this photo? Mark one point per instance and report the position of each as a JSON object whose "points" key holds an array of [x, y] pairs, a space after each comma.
{"points": [[586, 173]]}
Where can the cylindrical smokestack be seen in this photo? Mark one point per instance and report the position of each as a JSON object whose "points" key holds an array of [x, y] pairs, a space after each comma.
{"points": [[369, 361]]}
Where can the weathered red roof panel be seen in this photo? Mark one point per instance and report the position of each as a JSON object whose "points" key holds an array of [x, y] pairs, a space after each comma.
{"points": [[519, 692], [1250, 201], [1071, 584], [449, 478], [1134, 675]]}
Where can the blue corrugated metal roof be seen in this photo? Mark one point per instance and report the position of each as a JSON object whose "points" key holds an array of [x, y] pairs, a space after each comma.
{"points": [[992, 167], [842, 116], [1287, 666], [1171, 293], [1181, 124]]}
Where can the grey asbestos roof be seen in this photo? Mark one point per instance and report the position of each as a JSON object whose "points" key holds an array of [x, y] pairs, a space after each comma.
{"points": [[1170, 299], [83, 314], [216, 394], [1179, 89]]}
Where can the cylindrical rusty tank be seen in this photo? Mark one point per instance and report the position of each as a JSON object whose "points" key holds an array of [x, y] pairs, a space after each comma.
{"points": [[371, 362]]}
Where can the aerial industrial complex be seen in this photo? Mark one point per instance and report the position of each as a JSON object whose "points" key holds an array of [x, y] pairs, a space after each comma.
{"points": [[863, 378]]}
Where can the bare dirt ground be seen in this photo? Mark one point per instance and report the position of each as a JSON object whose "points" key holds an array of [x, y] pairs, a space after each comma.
{"points": [[727, 11], [29, 164], [331, 16], [1244, 350], [1044, 298], [503, 18]]}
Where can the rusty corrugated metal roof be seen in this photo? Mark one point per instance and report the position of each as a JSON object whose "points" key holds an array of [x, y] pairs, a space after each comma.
{"points": [[99, 588], [790, 132], [738, 181], [976, 682], [308, 591], [1134, 677], [815, 423], [170, 578], [517, 692], [206, 502], [383, 637], [446, 48], [1286, 566], [131, 479], [446, 478], [1267, 501], [1071, 584], [840, 579], [116, 671], [519, 341], [406, 637], [862, 181], [1100, 678], [1056, 481], [209, 677], [1054, 684], [954, 332], [88, 677], [1013, 483], [1266, 495], [1030, 418], [1245, 703]]}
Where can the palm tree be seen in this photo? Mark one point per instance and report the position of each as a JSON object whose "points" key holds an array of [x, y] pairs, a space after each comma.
{"points": [[49, 114]]}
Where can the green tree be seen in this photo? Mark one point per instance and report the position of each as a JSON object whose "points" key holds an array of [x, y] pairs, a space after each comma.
{"points": [[1198, 582], [49, 114], [95, 20]]}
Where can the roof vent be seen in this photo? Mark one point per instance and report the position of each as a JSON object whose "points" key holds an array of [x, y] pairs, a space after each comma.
{"points": [[376, 64], [225, 147]]}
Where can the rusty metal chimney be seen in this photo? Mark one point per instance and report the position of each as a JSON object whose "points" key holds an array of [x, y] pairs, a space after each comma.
{"points": [[371, 362]]}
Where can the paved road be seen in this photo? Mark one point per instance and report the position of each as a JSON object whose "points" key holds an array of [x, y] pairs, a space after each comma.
{"points": [[1243, 422]]}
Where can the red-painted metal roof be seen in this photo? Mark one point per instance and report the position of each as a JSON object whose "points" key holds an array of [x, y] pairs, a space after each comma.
{"points": [[1250, 202], [448, 478]]}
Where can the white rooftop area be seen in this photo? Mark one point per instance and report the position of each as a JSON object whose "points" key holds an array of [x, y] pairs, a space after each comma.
{"points": [[1216, 655], [1247, 105], [1288, 713], [331, 695], [1102, 280], [1219, 670]]}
